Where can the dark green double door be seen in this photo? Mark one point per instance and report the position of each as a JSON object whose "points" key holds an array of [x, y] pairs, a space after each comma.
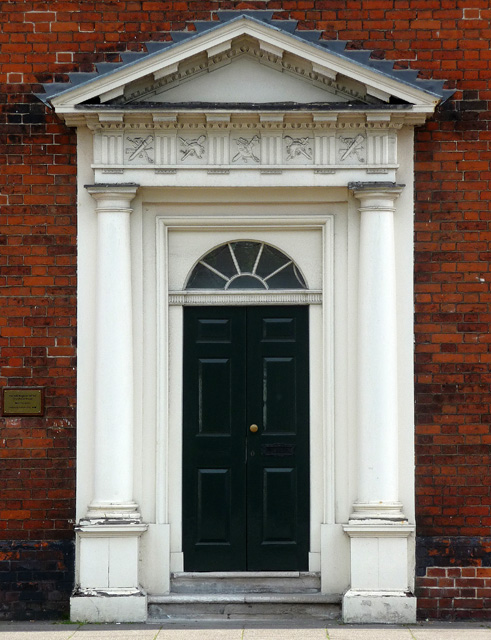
{"points": [[246, 490]]}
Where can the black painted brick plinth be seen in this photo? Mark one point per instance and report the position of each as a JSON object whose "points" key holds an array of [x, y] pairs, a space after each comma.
{"points": [[452, 551], [36, 579]]}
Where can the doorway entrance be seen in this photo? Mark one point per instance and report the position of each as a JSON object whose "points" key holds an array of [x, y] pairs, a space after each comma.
{"points": [[246, 438]]}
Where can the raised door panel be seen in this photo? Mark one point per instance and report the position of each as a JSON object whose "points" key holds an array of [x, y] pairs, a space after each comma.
{"points": [[279, 395], [214, 508]]}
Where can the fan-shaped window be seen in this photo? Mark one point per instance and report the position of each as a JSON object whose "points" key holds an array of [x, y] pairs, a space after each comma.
{"points": [[246, 265]]}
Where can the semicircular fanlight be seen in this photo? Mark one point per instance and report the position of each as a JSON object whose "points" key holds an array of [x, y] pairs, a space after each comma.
{"points": [[245, 264]]}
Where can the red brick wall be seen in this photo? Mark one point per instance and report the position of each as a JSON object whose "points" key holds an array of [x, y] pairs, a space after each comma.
{"points": [[42, 42], [37, 323], [455, 593]]}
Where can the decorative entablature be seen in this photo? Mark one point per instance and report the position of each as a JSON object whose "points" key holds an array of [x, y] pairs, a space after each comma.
{"points": [[244, 93], [319, 141]]}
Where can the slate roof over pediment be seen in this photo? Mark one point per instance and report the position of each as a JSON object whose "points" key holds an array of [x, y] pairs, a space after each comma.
{"points": [[336, 48]]}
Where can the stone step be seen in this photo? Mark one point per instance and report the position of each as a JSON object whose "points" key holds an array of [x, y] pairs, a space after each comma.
{"points": [[246, 582], [246, 606]]}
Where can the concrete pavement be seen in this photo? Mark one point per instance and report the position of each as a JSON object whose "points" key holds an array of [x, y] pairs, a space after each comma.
{"points": [[296, 630]]}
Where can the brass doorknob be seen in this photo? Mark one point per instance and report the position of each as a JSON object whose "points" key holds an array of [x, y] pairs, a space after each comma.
{"points": [[253, 428]]}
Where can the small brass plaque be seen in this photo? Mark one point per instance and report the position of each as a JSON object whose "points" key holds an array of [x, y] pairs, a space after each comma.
{"points": [[23, 402]]}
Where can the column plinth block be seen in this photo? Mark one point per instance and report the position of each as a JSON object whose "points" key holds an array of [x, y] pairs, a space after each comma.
{"points": [[108, 588], [367, 607], [379, 591]]}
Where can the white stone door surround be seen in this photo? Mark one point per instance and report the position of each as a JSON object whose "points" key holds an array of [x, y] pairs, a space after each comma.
{"points": [[159, 241], [327, 177]]}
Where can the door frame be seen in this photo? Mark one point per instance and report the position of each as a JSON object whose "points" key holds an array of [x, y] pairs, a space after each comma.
{"points": [[318, 217]]}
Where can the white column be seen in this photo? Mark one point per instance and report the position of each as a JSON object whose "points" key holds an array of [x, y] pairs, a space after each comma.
{"points": [[377, 353], [113, 451], [108, 537], [380, 551]]}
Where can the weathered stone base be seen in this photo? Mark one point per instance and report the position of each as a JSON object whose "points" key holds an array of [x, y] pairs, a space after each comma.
{"points": [[383, 607], [108, 607]]}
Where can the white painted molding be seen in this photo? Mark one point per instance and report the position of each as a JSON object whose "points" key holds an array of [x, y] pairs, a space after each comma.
{"points": [[376, 530], [162, 402], [328, 372], [225, 298], [169, 347], [100, 510], [111, 530], [377, 510]]}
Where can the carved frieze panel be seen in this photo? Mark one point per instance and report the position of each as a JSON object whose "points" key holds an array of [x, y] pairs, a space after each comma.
{"points": [[298, 149], [245, 149], [139, 149], [351, 148], [192, 148], [263, 146]]}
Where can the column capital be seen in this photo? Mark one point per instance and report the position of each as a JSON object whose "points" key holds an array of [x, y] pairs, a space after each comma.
{"points": [[119, 194], [380, 187], [376, 196]]}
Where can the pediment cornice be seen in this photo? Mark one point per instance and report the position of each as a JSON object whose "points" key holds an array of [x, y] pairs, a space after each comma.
{"points": [[249, 100], [336, 73]]}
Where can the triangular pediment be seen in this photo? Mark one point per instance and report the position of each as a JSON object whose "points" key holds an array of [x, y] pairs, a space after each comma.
{"points": [[245, 73], [245, 58], [241, 79]]}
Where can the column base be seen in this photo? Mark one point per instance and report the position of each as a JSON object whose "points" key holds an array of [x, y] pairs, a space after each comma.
{"points": [[110, 605], [379, 607], [389, 511], [127, 511]]}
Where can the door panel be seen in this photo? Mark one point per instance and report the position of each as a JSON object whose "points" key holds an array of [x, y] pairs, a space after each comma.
{"points": [[278, 454], [279, 518], [279, 381], [245, 495], [214, 402], [214, 506], [214, 498]]}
